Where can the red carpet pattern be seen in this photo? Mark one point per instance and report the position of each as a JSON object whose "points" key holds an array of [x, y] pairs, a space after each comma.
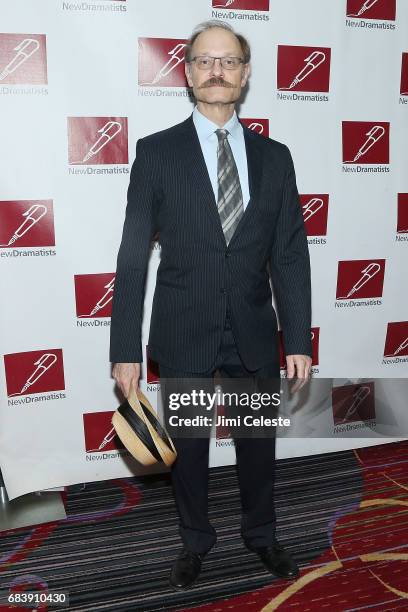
{"points": [[344, 517]]}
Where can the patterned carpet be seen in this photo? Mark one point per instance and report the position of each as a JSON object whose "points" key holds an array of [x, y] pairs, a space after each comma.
{"points": [[344, 516]]}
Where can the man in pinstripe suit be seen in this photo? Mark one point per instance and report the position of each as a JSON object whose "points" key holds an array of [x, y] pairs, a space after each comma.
{"points": [[225, 202]]}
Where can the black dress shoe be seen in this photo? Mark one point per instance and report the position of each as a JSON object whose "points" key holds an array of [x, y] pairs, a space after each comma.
{"points": [[277, 560], [186, 569]]}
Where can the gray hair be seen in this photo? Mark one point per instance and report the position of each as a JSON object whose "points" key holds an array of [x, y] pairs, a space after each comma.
{"points": [[215, 23]]}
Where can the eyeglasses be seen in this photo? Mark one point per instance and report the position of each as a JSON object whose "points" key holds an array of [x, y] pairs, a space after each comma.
{"points": [[206, 62]]}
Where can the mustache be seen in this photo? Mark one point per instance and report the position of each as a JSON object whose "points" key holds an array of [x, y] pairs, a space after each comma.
{"points": [[215, 81]]}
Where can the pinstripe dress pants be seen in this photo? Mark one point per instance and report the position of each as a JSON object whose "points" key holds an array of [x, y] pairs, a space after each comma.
{"points": [[255, 459]]}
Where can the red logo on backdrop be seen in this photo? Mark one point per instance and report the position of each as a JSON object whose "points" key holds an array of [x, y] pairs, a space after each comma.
{"points": [[34, 372], [372, 9], [303, 68], [161, 62], [261, 126], [23, 59], [396, 341], [353, 403], [402, 218], [314, 334], [315, 208], [97, 140], [242, 5], [26, 223], [222, 431], [152, 370], [360, 278], [93, 294], [366, 142], [281, 351], [99, 433], [404, 75]]}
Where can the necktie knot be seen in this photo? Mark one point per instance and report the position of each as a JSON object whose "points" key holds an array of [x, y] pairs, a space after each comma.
{"points": [[222, 134]]}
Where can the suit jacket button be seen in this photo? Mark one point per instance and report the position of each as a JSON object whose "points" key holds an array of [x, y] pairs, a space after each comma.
{"points": [[223, 291], [227, 254]]}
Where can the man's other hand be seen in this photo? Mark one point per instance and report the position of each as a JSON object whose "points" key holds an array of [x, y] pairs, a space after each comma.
{"points": [[127, 376], [301, 364]]}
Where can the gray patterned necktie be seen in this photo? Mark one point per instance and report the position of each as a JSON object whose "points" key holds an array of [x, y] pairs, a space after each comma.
{"points": [[230, 203]]}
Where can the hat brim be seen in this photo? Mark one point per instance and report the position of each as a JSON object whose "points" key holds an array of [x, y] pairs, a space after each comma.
{"points": [[141, 432]]}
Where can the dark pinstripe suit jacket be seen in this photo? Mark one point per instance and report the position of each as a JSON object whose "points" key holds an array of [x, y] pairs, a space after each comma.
{"points": [[170, 192]]}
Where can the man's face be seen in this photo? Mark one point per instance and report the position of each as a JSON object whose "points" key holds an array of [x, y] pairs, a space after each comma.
{"points": [[217, 85]]}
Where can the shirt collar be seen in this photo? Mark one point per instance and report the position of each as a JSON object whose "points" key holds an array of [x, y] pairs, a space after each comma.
{"points": [[205, 128]]}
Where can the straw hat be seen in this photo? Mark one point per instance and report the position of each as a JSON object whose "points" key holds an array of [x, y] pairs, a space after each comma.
{"points": [[141, 432]]}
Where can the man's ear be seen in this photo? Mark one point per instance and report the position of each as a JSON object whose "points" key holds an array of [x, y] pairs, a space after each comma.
{"points": [[187, 70], [245, 74]]}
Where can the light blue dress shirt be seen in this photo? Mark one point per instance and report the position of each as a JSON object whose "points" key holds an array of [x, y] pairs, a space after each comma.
{"points": [[209, 144]]}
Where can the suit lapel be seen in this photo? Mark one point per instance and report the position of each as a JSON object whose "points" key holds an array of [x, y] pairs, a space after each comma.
{"points": [[195, 165]]}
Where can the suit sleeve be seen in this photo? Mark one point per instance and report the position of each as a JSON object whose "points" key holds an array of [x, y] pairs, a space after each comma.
{"points": [[290, 270], [132, 262]]}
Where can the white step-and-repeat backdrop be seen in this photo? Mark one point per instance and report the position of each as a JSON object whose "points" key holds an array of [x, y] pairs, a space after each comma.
{"points": [[80, 82]]}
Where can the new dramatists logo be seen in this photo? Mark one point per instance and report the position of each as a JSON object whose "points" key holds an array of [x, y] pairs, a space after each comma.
{"points": [[360, 278], [372, 9], [23, 59], [161, 62], [242, 5], [303, 68], [26, 223], [366, 142], [97, 140], [152, 370], [404, 75], [94, 294], [315, 209], [402, 215], [111, 6], [34, 372], [222, 430], [353, 403], [99, 433], [396, 341], [261, 126]]}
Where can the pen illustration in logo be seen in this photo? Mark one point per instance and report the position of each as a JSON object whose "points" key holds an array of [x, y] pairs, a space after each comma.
{"points": [[107, 133], [365, 142], [360, 279], [99, 434], [97, 140], [260, 126], [372, 9], [161, 62], [242, 5], [26, 223], [94, 294], [396, 341], [34, 372], [353, 403], [303, 68], [402, 214], [23, 59], [404, 75], [152, 369], [315, 209]]}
